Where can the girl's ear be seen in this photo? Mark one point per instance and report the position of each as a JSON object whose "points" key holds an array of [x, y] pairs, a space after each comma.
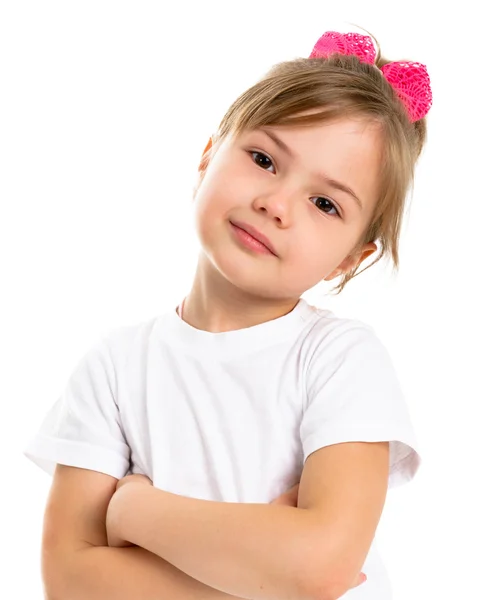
{"points": [[208, 146], [351, 262], [204, 161], [202, 166]]}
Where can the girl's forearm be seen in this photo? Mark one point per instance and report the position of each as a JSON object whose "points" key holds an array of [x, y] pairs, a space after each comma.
{"points": [[253, 551], [99, 572]]}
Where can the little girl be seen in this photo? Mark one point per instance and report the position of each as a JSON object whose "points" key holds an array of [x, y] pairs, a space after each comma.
{"points": [[242, 444]]}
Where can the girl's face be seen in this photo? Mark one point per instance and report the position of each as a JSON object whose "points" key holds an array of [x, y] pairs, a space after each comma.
{"points": [[294, 192]]}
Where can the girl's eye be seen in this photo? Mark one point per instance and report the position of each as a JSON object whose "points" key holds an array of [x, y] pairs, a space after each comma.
{"points": [[262, 157], [331, 205], [262, 161]]}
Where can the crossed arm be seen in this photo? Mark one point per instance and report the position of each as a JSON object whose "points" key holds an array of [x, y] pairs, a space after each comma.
{"points": [[265, 551]]}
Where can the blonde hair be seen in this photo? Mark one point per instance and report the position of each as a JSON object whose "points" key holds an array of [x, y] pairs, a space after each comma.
{"points": [[340, 86]]}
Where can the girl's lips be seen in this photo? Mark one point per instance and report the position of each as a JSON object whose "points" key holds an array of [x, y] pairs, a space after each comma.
{"points": [[255, 234], [249, 241]]}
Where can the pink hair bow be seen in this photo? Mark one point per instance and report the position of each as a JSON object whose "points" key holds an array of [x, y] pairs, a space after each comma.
{"points": [[410, 80]]}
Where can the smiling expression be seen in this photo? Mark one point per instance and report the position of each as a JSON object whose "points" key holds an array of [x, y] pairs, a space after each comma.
{"points": [[310, 190]]}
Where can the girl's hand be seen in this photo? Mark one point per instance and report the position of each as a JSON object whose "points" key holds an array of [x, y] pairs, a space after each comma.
{"points": [[136, 478], [290, 498], [113, 515]]}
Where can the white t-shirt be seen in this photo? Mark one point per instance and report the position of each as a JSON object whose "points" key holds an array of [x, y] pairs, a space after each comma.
{"points": [[231, 416]]}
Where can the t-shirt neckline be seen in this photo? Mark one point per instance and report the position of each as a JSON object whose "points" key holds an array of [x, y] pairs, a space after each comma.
{"points": [[181, 333]]}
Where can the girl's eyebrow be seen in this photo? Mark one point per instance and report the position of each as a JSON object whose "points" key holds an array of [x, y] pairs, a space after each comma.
{"points": [[331, 182]]}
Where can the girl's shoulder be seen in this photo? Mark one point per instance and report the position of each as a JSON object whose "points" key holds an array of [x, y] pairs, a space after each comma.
{"points": [[327, 325]]}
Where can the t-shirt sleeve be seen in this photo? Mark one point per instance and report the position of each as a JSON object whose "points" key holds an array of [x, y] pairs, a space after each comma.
{"points": [[353, 394], [83, 427]]}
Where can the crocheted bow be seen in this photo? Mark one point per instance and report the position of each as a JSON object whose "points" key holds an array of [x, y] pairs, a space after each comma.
{"points": [[410, 80]]}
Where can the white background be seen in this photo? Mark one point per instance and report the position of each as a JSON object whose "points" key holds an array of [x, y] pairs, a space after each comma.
{"points": [[105, 108]]}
